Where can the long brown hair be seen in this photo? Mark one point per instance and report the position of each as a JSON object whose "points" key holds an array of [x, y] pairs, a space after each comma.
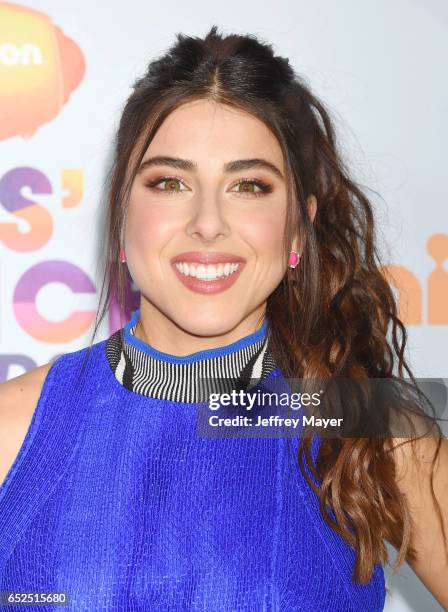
{"points": [[331, 315]]}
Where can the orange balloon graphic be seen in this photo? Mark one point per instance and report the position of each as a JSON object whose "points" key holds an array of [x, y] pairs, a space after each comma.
{"points": [[39, 68]]}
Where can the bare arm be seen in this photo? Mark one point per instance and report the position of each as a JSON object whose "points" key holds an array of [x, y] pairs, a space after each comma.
{"points": [[18, 401], [413, 474]]}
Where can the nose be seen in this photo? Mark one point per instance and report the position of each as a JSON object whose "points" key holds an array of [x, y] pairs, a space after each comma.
{"points": [[207, 221]]}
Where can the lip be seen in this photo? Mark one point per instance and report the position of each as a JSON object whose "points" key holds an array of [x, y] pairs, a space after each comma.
{"points": [[207, 257], [207, 286]]}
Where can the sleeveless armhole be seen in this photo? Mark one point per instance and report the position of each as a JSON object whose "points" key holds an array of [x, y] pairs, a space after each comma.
{"points": [[33, 426]]}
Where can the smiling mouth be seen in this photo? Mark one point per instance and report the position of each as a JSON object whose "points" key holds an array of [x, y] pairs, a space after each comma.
{"points": [[207, 272]]}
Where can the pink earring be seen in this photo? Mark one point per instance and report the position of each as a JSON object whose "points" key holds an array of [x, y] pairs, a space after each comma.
{"points": [[293, 259], [122, 255]]}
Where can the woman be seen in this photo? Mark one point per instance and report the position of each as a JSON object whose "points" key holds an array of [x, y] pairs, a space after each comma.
{"points": [[254, 255]]}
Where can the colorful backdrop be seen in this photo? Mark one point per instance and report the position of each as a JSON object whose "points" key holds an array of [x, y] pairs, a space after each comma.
{"points": [[65, 71]]}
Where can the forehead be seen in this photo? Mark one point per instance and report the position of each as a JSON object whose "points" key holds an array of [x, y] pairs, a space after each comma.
{"points": [[211, 130]]}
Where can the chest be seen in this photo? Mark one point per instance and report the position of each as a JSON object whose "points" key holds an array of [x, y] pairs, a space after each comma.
{"points": [[156, 516]]}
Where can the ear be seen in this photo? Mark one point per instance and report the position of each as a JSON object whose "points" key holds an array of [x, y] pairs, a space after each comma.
{"points": [[295, 245], [312, 208]]}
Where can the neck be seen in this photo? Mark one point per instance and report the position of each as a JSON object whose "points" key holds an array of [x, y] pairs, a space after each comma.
{"points": [[161, 333], [143, 369]]}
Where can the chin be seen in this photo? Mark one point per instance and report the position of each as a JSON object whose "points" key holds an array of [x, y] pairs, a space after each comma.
{"points": [[209, 325]]}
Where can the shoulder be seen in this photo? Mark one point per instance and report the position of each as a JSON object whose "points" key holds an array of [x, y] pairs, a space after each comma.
{"points": [[418, 461], [18, 400], [17, 394]]}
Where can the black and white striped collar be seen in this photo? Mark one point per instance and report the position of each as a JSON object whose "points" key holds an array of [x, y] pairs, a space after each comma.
{"points": [[146, 371]]}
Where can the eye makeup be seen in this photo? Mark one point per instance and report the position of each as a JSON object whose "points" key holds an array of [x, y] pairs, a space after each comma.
{"points": [[264, 188]]}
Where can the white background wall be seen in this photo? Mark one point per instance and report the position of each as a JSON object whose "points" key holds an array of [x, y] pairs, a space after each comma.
{"points": [[380, 68]]}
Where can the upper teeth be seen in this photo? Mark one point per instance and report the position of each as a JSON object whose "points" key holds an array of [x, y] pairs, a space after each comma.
{"points": [[207, 272]]}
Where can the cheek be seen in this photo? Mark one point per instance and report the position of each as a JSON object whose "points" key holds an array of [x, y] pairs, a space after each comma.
{"points": [[265, 233], [148, 228]]}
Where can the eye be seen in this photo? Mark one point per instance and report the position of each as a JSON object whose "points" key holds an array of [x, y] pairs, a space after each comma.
{"points": [[250, 187], [171, 182]]}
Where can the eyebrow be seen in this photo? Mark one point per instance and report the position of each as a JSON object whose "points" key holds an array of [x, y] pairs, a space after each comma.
{"points": [[186, 164]]}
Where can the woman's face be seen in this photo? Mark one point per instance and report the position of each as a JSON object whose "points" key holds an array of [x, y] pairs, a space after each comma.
{"points": [[204, 229]]}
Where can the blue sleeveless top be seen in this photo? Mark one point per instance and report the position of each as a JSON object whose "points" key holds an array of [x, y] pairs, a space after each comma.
{"points": [[116, 501]]}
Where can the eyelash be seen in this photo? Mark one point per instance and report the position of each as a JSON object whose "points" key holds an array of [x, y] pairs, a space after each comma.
{"points": [[265, 188]]}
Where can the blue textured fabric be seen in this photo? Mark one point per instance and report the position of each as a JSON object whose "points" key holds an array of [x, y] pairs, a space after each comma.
{"points": [[116, 501]]}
